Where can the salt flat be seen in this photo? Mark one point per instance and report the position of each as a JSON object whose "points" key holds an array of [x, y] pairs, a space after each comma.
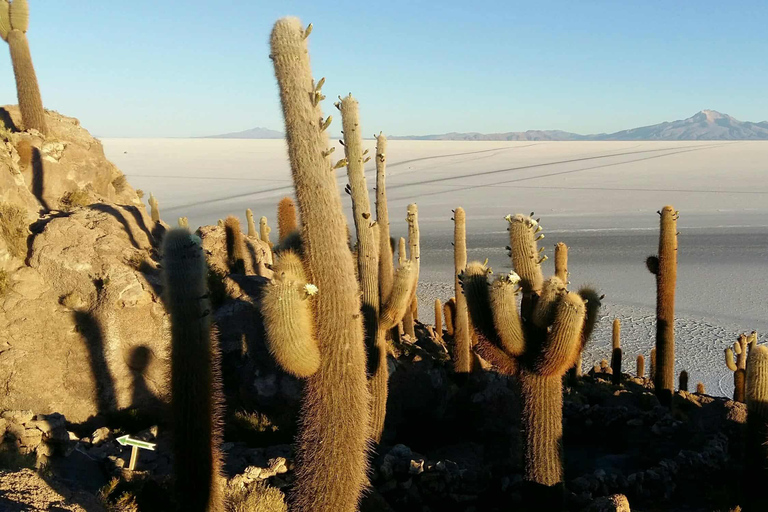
{"points": [[598, 197]]}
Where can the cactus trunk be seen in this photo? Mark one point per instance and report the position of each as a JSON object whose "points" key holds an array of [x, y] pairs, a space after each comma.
{"points": [[196, 396], [756, 463], [666, 277], [27, 89], [438, 320], [386, 265], [332, 442]]}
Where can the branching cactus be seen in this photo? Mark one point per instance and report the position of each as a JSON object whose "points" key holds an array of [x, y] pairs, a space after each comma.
{"points": [[286, 219], [738, 366], [594, 301], [196, 396], [14, 22], [462, 356], [756, 463], [664, 267], [538, 347], [334, 429], [616, 353]]}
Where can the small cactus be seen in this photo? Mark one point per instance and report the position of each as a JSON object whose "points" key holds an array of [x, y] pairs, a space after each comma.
{"points": [[386, 265], [739, 365], [183, 222], [700, 388], [286, 219], [264, 231], [652, 370], [154, 208], [252, 233], [449, 312], [235, 245], [683, 382], [561, 261], [412, 218], [616, 353], [439, 320], [640, 366]]}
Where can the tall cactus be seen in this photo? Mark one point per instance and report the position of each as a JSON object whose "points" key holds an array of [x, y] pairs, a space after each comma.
{"points": [[449, 312], [756, 463], [640, 366], [462, 356], [196, 396], [252, 233], [616, 353], [286, 219], [235, 245], [438, 320], [386, 265], [412, 218], [14, 22], [664, 267], [683, 382], [538, 347], [331, 452]]}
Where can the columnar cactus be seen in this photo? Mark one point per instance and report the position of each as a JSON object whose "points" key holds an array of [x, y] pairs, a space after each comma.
{"points": [[402, 255], [739, 366], [462, 356], [756, 463], [264, 231], [640, 366], [439, 320], [616, 353], [332, 442], [196, 396], [154, 207], [652, 371], [412, 218], [538, 347], [252, 233], [594, 301], [683, 383], [183, 222], [700, 388], [286, 218], [561, 261], [386, 265], [235, 245], [14, 22], [375, 321], [449, 312], [664, 267]]}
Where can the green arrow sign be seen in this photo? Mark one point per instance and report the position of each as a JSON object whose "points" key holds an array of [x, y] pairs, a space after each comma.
{"points": [[127, 441]]}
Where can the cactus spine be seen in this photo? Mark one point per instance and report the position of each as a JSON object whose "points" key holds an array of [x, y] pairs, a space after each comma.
{"points": [[616, 353], [755, 471], [439, 320], [665, 267], [252, 233], [14, 22], [640, 366], [196, 397], [331, 453], [286, 218], [462, 358], [235, 245]]}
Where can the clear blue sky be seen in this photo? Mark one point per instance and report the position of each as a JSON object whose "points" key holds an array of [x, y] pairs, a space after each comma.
{"points": [[186, 68]]}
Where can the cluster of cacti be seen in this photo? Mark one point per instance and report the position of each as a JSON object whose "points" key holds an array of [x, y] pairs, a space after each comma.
{"points": [[739, 365], [196, 397], [14, 22], [538, 344], [664, 267]]}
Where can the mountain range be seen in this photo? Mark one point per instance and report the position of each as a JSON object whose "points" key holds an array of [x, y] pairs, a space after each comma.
{"points": [[705, 125]]}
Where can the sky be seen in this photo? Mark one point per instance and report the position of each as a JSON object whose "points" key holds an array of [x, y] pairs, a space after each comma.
{"points": [[192, 68]]}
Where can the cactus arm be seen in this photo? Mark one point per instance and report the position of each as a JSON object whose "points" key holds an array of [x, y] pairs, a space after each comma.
{"points": [[476, 291], [5, 19], [544, 310], [439, 319], [561, 347], [286, 218], [395, 308], [506, 318], [287, 313], [412, 218], [525, 252], [729, 362], [505, 364], [19, 15], [449, 312], [462, 356], [333, 438], [561, 262], [264, 231], [665, 306], [251, 223], [196, 395], [235, 245]]}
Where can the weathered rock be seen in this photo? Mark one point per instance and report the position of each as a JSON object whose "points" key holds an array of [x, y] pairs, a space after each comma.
{"points": [[614, 503]]}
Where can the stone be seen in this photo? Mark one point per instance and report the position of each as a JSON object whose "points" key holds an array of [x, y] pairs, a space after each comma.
{"points": [[20, 417], [100, 436]]}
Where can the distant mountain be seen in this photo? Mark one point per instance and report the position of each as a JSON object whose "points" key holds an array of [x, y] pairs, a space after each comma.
{"points": [[253, 133], [705, 125]]}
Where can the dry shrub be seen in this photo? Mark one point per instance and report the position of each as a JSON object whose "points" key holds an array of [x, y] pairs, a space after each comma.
{"points": [[13, 228], [79, 198], [256, 498], [140, 193], [120, 183]]}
